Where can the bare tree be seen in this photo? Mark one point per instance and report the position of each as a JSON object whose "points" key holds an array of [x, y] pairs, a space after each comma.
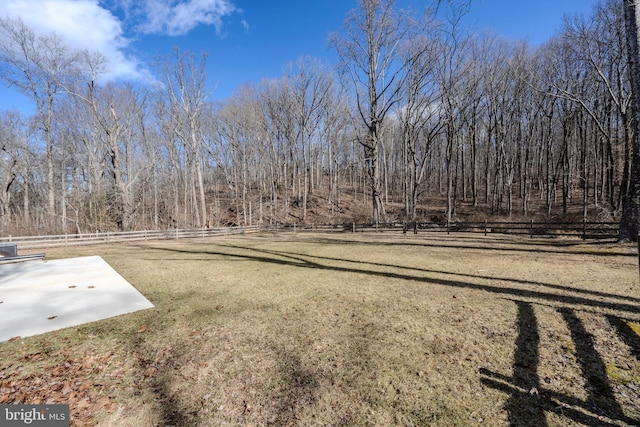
{"points": [[18, 169], [420, 111], [452, 71], [310, 87], [187, 95], [114, 111], [36, 66], [10, 146], [370, 59], [631, 209], [241, 147]]}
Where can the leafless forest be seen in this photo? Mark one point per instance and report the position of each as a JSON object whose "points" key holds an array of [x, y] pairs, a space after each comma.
{"points": [[417, 118]]}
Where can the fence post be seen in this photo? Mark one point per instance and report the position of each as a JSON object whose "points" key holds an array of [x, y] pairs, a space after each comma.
{"points": [[584, 229], [354, 226], [485, 228], [448, 226], [531, 230]]}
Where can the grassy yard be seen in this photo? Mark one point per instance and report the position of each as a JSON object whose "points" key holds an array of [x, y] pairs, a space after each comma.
{"points": [[350, 330]]}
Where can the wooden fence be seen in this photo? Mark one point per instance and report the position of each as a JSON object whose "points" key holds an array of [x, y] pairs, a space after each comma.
{"points": [[584, 229], [66, 240]]}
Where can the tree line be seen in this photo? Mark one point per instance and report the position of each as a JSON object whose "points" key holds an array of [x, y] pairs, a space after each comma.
{"points": [[415, 108]]}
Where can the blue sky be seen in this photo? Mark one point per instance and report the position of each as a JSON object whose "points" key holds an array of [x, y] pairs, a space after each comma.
{"points": [[245, 40]]}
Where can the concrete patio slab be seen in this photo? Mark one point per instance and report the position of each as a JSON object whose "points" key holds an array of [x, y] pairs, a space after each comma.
{"points": [[43, 296]]}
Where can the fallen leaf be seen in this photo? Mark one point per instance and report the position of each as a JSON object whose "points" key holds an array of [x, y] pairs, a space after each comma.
{"points": [[142, 329], [103, 403], [82, 404], [150, 371], [88, 362]]}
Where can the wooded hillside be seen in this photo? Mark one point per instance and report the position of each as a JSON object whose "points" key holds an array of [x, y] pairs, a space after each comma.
{"points": [[418, 119]]}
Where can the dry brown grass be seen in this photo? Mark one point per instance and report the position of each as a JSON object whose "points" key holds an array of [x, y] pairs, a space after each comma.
{"points": [[362, 329]]}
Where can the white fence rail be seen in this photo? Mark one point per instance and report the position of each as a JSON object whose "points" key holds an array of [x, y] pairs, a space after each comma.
{"points": [[65, 240]]}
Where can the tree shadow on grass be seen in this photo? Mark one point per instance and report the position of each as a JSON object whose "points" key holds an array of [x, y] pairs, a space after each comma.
{"points": [[315, 262], [173, 414], [524, 406], [601, 398], [528, 400], [153, 367], [304, 259], [493, 244], [298, 389], [626, 334]]}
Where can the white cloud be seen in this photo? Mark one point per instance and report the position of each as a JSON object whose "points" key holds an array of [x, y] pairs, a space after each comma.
{"points": [[245, 24], [82, 24], [179, 17], [91, 25]]}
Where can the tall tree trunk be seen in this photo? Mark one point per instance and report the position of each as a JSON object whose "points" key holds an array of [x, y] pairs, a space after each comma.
{"points": [[373, 169], [631, 201]]}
